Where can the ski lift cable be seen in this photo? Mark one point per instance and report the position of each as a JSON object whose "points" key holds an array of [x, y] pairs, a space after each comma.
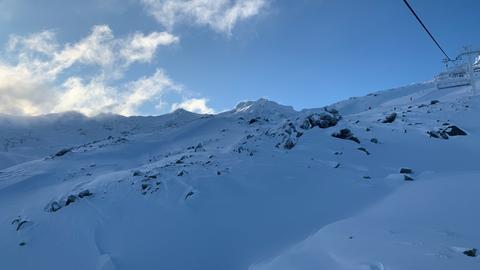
{"points": [[426, 29]]}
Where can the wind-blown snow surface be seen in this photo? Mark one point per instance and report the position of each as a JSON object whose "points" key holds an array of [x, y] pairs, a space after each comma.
{"points": [[245, 189]]}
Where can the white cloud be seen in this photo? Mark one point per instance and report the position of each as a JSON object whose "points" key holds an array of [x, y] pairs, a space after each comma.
{"points": [[220, 15], [141, 48], [23, 92], [96, 95], [146, 89], [196, 105], [100, 49], [34, 78]]}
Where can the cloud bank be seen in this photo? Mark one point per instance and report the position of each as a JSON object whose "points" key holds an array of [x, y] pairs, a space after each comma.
{"points": [[220, 15]]}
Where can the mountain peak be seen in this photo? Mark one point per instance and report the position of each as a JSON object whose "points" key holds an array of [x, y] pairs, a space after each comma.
{"points": [[263, 106]]}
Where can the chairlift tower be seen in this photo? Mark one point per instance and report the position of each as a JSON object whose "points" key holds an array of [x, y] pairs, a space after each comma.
{"points": [[460, 71], [471, 71], [470, 65]]}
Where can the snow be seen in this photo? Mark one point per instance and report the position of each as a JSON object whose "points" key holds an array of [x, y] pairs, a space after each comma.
{"points": [[190, 191]]}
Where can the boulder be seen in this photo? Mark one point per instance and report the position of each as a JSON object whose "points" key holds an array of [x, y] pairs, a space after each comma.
{"points": [[84, 193], [406, 170], [70, 199], [63, 152], [137, 173], [253, 120], [438, 134], [433, 102], [445, 132], [199, 148], [471, 252], [390, 118], [54, 207], [346, 134], [306, 124], [454, 131], [326, 119], [407, 178]]}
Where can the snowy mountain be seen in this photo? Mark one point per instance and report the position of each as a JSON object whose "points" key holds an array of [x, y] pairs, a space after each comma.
{"points": [[385, 181]]}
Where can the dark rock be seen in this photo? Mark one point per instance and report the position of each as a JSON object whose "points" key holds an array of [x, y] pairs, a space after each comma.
{"points": [[363, 150], [290, 128], [327, 119], [22, 244], [182, 173], [289, 143], [390, 118], [471, 252], [454, 131], [438, 134], [54, 206], [406, 170], [367, 177], [445, 132], [306, 124], [407, 178], [189, 194], [19, 222], [333, 111], [145, 186], [137, 173], [433, 102], [346, 134], [70, 199], [253, 120], [63, 152], [374, 140], [199, 148], [84, 193]]}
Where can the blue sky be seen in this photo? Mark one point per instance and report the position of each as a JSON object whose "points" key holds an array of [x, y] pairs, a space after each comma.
{"points": [[304, 53]]}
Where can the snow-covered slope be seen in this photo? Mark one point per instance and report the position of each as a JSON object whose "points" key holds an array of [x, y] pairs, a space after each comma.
{"points": [[259, 187]]}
